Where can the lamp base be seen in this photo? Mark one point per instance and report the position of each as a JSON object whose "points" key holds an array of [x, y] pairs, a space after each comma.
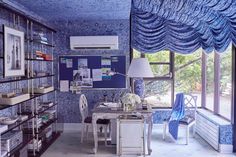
{"points": [[139, 87]]}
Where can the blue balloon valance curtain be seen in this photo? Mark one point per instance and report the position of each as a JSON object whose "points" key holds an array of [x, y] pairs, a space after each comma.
{"points": [[183, 26]]}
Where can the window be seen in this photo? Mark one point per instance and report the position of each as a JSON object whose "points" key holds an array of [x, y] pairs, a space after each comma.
{"points": [[225, 83], [136, 54], [188, 74], [158, 93], [158, 90], [209, 76], [160, 63], [210, 81]]}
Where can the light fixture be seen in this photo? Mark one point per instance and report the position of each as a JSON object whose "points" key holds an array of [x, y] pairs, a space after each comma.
{"points": [[140, 68]]}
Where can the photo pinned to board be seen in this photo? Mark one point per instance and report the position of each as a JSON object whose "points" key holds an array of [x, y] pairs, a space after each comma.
{"points": [[105, 74], [82, 63], [106, 61], [106, 68], [63, 60], [97, 74], [82, 77], [69, 63]]}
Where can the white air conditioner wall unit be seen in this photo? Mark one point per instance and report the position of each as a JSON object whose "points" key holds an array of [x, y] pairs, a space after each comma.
{"points": [[94, 42]]}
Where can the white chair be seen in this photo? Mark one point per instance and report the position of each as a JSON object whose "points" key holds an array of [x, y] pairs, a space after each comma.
{"points": [[87, 120], [190, 103]]}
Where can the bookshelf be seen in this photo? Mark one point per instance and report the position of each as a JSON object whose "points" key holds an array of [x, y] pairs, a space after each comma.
{"points": [[34, 64]]}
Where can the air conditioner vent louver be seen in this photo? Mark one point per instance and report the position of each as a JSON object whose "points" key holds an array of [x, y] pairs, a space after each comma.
{"points": [[94, 42], [81, 48]]}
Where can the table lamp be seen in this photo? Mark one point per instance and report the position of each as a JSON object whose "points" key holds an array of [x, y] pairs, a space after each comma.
{"points": [[139, 69]]}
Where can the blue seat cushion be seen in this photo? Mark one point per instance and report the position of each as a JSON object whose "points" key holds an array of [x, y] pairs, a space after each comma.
{"points": [[186, 120], [99, 121]]}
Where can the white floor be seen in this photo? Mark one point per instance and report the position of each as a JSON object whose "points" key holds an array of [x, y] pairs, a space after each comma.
{"points": [[68, 145]]}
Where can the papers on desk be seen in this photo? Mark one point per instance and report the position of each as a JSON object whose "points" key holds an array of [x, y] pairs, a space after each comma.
{"points": [[110, 105]]}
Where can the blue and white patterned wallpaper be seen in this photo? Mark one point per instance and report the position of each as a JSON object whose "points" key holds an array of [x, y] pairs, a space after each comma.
{"points": [[79, 9], [68, 102]]}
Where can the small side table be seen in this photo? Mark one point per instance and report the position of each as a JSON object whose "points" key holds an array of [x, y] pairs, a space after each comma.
{"points": [[130, 135]]}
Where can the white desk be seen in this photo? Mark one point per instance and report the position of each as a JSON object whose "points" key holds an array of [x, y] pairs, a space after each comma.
{"points": [[107, 113]]}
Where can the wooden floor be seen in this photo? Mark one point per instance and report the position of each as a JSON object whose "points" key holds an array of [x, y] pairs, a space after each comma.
{"points": [[68, 145]]}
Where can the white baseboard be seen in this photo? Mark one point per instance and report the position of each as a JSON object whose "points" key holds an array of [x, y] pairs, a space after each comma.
{"points": [[78, 127], [69, 127], [225, 148]]}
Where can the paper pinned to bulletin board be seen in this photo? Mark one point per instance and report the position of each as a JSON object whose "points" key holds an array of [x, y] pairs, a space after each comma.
{"points": [[92, 71], [64, 86]]}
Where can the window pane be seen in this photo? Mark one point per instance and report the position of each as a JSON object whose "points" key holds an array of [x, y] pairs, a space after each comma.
{"points": [[160, 70], [188, 74], [136, 54], [210, 82], [158, 93], [162, 56], [225, 83]]}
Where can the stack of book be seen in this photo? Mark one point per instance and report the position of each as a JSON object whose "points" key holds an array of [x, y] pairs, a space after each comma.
{"points": [[3, 128], [40, 37], [34, 144], [30, 124], [11, 140], [46, 104], [39, 55], [48, 131], [27, 107], [43, 56]]}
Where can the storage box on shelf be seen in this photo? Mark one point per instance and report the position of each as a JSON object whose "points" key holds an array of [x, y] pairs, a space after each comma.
{"points": [[33, 143], [46, 144], [14, 99], [9, 132], [11, 140]]}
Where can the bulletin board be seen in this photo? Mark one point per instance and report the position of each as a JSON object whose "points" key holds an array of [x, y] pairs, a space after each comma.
{"points": [[91, 71]]}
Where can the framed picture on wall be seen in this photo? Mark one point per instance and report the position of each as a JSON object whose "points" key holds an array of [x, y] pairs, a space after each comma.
{"points": [[14, 56]]}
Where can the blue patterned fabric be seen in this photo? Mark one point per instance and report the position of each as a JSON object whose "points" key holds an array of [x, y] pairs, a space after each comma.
{"points": [[183, 26], [139, 87], [178, 113]]}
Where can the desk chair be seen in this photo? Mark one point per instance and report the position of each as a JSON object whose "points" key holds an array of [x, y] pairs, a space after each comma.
{"points": [[190, 103], [87, 120]]}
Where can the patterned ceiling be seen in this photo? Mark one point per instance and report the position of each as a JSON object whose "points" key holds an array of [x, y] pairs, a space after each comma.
{"points": [[78, 9]]}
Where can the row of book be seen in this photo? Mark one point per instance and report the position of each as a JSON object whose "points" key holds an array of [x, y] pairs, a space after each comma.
{"points": [[40, 37], [43, 56]]}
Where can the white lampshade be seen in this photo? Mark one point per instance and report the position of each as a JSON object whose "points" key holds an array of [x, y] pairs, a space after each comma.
{"points": [[140, 68]]}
